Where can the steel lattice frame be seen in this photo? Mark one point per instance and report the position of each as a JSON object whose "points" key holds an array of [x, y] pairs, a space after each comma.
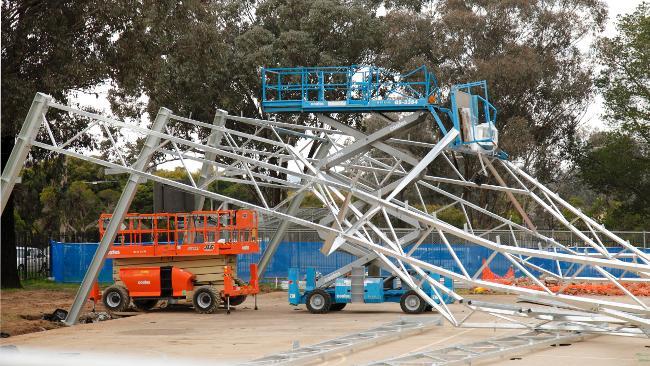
{"points": [[348, 177]]}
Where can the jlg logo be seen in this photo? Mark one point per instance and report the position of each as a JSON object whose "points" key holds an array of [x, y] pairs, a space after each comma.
{"points": [[144, 282]]}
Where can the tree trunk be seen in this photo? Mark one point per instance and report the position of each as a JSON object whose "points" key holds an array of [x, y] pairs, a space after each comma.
{"points": [[9, 272]]}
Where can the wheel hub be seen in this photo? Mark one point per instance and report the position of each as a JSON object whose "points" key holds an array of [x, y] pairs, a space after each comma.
{"points": [[204, 300], [412, 302], [113, 299], [317, 301]]}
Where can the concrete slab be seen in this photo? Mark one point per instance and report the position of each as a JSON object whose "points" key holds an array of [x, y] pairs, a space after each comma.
{"points": [[246, 334]]}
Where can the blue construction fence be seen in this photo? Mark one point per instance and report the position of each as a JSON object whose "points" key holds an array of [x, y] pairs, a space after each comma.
{"points": [[70, 260]]}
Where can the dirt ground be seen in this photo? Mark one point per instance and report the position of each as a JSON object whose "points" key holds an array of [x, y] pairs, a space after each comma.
{"points": [[21, 311], [246, 334]]}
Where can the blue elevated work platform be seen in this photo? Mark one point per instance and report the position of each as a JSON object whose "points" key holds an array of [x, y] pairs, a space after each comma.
{"points": [[363, 89], [347, 89]]}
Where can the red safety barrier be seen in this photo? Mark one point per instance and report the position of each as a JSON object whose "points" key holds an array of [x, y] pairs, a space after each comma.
{"points": [[574, 288]]}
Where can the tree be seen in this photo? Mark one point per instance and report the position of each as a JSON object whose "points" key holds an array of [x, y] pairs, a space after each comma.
{"points": [[50, 47], [617, 167], [195, 56], [625, 78], [616, 164], [537, 77], [526, 50]]}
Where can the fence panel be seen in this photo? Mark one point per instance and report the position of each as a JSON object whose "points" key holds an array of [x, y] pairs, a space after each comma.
{"points": [[32, 256], [70, 262], [302, 250]]}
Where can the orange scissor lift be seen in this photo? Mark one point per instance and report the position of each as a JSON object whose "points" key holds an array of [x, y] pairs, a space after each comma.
{"points": [[181, 258]]}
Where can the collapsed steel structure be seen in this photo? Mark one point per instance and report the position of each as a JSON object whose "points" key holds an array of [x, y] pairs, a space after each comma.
{"points": [[358, 177]]}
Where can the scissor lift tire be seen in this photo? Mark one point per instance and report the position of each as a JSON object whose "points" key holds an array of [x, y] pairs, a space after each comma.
{"points": [[116, 298], [236, 300], [319, 302], [412, 303], [205, 300]]}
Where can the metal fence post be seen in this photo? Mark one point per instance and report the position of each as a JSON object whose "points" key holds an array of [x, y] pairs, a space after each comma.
{"points": [[121, 209]]}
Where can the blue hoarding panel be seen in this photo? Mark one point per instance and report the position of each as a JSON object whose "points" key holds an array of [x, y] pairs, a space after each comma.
{"points": [[70, 260]]}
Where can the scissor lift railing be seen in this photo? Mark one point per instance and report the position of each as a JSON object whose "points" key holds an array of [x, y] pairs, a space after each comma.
{"points": [[366, 89], [184, 234], [347, 89]]}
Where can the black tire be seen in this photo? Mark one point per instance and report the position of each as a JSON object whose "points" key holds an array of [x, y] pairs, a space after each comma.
{"points": [[236, 300], [319, 302], [412, 303], [428, 308], [116, 298], [337, 306], [205, 300], [145, 305]]}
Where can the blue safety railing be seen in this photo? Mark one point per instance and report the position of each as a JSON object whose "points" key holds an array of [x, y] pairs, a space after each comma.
{"points": [[359, 89], [474, 98], [347, 89]]}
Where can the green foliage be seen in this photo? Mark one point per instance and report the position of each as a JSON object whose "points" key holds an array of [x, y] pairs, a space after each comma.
{"points": [[514, 216], [240, 191], [42, 284], [71, 205], [526, 50], [194, 56], [311, 201], [617, 166], [54, 47], [625, 78], [451, 215]]}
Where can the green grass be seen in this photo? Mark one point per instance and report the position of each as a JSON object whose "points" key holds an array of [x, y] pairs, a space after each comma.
{"points": [[43, 284]]}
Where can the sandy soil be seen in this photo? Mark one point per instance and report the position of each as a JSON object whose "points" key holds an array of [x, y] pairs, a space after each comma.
{"points": [[247, 334], [21, 311]]}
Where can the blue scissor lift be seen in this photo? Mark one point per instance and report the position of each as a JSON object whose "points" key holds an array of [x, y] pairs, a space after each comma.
{"points": [[371, 89], [372, 290]]}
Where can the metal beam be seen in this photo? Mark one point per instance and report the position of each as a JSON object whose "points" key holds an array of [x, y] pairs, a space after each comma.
{"points": [[24, 141], [294, 206], [121, 209], [399, 154], [213, 141], [364, 144]]}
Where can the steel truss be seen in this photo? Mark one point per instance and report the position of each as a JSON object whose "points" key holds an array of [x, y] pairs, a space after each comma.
{"points": [[320, 352], [466, 354], [360, 178]]}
